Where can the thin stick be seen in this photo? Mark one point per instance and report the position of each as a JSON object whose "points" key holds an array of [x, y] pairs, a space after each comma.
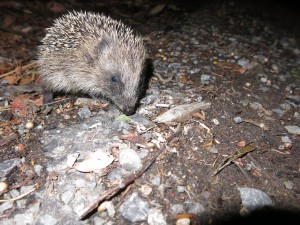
{"points": [[18, 197], [17, 69], [114, 190], [243, 171]]}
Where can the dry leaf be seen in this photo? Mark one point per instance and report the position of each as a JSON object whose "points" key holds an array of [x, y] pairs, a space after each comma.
{"points": [[97, 161], [26, 80], [180, 112], [12, 79]]}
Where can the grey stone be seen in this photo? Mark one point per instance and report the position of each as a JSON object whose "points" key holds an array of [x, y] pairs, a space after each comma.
{"points": [[286, 139], [84, 113], [115, 174], [8, 165], [238, 119], [288, 185], [24, 219], [143, 153], [25, 189], [293, 129], [47, 220], [278, 111], [21, 204], [213, 150], [194, 207], [99, 221], [253, 199], [177, 208], [14, 193], [205, 77], [135, 209], [155, 217], [80, 183], [110, 209], [130, 160], [67, 196], [6, 205], [155, 181], [38, 169], [181, 189], [66, 209]]}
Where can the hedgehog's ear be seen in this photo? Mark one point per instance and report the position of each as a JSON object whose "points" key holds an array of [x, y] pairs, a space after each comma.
{"points": [[102, 45]]}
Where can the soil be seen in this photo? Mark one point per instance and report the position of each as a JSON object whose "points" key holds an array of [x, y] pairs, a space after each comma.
{"points": [[185, 40]]}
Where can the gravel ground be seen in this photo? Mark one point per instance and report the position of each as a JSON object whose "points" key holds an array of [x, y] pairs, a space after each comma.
{"points": [[214, 141]]}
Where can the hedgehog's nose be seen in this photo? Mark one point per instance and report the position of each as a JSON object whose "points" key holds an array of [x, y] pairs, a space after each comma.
{"points": [[129, 111]]}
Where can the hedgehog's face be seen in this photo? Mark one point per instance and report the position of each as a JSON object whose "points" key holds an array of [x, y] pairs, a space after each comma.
{"points": [[119, 73]]}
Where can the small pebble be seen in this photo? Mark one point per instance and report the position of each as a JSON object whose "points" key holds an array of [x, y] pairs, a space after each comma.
{"points": [[29, 125], [110, 209], [177, 208], [248, 84], [205, 77], [145, 190], [215, 121], [150, 145], [254, 199], [293, 129], [274, 68], [156, 217], [286, 139], [238, 119], [102, 207], [67, 117], [130, 160], [181, 189], [288, 185], [3, 188], [213, 150], [263, 79], [135, 209], [183, 221], [84, 113], [155, 181]]}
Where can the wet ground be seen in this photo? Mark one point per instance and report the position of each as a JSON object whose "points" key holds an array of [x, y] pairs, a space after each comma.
{"points": [[241, 60]]}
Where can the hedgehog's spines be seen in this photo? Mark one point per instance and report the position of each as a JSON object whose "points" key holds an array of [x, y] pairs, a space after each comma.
{"points": [[71, 29]]}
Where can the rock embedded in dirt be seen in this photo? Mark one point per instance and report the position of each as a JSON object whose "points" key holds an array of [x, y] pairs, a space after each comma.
{"points": [[135, 209], [293, 129], [130, 160], [156, 217], [253, 199]]}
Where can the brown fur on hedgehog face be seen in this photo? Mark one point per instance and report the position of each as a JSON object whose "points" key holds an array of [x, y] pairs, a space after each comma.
{"points": [[116, 72], [93, 54]]}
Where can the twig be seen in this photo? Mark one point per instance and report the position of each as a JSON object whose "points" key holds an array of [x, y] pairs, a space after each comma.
{"points": [[162, 79], [8, 139], [18, 197], [114, 190], [23, 183], [57, 101], [233, 157], [18, 69], [258, 165], [258, 124], [243, 171]]}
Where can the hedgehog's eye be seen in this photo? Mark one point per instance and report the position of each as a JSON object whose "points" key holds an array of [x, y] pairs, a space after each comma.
{"points": [[115, 78]]}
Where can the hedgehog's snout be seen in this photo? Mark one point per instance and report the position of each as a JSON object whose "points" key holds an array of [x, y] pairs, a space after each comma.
{"points": [[128, 111], [128, 108]]}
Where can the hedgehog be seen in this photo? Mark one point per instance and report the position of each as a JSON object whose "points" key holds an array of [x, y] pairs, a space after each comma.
{"points": [[93, 54]]}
